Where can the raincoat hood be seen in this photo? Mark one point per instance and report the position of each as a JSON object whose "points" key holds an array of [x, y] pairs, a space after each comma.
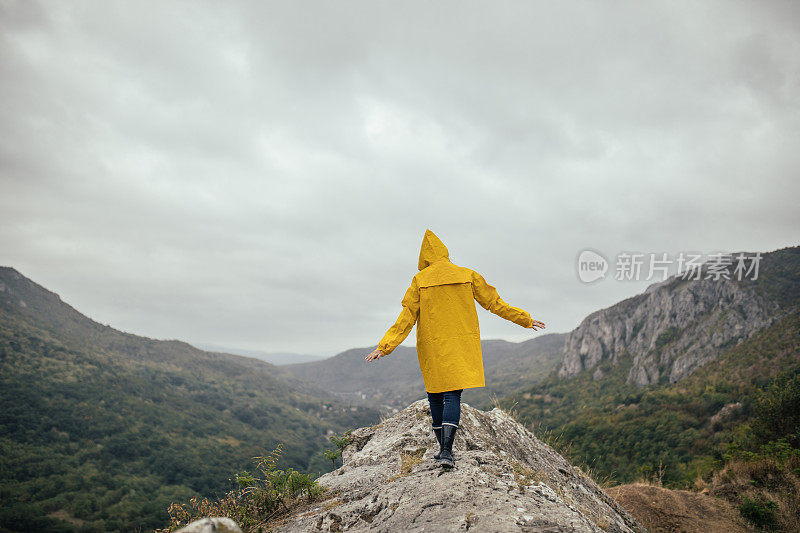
{"points": [[432, 250]]}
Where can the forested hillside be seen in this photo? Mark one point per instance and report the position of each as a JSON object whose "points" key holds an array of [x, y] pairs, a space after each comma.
{"points": [[626, 431], [101, 430]]}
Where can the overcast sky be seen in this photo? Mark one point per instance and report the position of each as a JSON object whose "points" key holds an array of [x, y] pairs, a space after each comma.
{"points": [[260, 175]]}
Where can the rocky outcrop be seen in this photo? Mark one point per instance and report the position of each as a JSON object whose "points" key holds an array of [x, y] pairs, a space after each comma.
{"points": [[727, 412], [505, 480], [669, 330]]}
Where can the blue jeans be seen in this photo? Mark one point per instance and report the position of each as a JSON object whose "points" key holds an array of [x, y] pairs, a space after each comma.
{"points": [[445, 407]]}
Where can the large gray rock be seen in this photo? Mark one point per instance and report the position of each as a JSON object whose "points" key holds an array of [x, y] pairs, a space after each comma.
{"points": [[670, 330], [211, 525], [505, 480]]}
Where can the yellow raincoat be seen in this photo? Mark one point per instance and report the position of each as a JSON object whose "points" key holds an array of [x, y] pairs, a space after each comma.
{"points": [[440, 302]]}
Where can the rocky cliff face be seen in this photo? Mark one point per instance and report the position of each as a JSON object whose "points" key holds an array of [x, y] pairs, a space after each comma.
{"points": [[505, 480], [669, 330]]}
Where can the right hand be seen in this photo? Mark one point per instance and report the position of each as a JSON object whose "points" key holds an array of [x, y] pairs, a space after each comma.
{"points": [[536, 324], [376, 354]]}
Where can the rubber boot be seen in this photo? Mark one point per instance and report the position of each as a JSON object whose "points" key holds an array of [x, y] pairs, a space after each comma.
{"points": [[446, 459], [438, 432]]}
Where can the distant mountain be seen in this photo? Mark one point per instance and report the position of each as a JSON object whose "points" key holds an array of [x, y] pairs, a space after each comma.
{"points": [[395, 381], [275, 358], [669, 379], [679, 325], [100, 430]]}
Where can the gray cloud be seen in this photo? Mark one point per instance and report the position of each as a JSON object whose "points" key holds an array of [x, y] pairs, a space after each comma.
{"points": [[259, 175]]}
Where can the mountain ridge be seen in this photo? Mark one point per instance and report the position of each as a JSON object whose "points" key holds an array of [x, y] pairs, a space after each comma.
{"points": [[395, 381], [274, 358], [676, 326], [21, 295], [682, 428], [102, 429]]}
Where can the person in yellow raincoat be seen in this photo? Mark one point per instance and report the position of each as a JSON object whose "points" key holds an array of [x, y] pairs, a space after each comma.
{"points": [[440, 301]]}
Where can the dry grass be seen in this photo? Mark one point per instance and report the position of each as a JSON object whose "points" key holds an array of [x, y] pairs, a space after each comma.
{"points": [[663, 510], [510, 411], [469, 520], [595, 514], [656, 479], [762, 495], [555, 440], [563, 495], [525, 476], [766, 481], [601, 520], [330, 504], [408, 460], [602, 480]]}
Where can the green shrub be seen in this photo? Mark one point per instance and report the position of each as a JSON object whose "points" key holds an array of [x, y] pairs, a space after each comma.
{"points": [[778, 410], [341, 442], [759, 512], [331, 455], [668, 335], [259, 497]]}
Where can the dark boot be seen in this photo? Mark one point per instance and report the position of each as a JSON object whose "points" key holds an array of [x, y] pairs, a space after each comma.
{"points": [[446, 459], [438, 432]]}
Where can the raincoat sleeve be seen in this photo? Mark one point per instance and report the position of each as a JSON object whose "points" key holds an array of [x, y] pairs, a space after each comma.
{"points": [[402, 326], [487, 296]]}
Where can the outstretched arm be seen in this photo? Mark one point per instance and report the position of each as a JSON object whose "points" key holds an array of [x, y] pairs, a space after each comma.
{"points": [[402, 326], [487, 296]]}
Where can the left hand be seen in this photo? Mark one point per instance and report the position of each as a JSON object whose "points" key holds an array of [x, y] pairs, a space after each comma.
{"points": [[375, 355], [536, 325]]}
